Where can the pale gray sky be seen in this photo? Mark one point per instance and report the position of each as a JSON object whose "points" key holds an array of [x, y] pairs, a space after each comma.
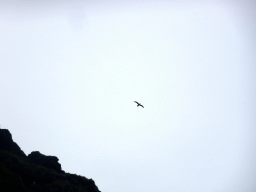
{"points": [[70, 72]]}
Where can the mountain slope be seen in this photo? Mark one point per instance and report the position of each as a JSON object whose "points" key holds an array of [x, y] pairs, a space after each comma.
{"points": [[35, 172]]}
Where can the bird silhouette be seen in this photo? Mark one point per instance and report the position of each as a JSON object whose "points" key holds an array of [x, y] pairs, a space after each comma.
{"points": [[138, 104]]}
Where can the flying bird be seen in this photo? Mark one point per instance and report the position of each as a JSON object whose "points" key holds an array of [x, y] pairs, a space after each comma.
{"points": [[138, 104]]}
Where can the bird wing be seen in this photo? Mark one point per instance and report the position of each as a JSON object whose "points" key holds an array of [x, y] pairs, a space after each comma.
{"points": [[139, 104]]}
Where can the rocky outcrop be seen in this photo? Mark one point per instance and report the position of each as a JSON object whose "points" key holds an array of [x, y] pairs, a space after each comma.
{"points": [[7, 144], [35, 172], [50, 162]]}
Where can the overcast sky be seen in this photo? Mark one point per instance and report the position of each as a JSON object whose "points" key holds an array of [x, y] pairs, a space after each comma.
{"points": [[70, 72]]}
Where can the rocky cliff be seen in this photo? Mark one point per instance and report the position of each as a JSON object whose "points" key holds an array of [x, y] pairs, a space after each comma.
{"points": [[35, 172]]}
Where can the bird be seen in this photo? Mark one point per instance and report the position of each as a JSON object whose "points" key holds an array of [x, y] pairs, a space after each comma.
{"points": [[138, 104]]}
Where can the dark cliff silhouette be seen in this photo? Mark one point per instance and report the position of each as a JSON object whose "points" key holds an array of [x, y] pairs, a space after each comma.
{"points": [[35, 172]]}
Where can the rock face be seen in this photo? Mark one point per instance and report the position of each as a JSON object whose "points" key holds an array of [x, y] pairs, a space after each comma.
{"points": [[50, 162], [7, 144], [35, 172]]}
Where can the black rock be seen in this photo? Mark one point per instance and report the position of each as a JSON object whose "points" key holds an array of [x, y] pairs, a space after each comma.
{"points": [[50, 162], [7, 144], [37, 172]]}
